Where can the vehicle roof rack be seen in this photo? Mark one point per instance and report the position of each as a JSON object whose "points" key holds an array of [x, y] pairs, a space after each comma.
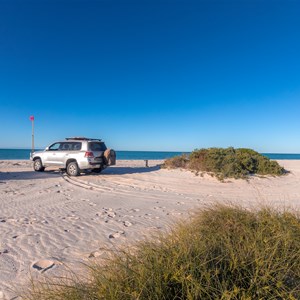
{"points": [[81, 138]]}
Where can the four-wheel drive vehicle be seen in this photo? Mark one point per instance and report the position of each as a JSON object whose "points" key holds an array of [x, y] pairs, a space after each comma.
{"points": [[75, 155]]}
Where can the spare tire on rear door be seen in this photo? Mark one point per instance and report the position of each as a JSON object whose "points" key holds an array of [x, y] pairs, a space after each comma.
{"points": [[110, 157]]}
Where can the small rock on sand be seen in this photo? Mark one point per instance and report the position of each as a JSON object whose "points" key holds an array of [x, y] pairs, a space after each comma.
{"points": [[43, 265]]}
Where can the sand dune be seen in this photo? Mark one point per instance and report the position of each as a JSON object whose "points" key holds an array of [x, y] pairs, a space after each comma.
{"points": [[49, 221]]}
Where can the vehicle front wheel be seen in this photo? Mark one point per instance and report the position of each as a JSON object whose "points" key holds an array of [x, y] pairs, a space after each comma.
{"points": [[37, 165], [73, 169]]}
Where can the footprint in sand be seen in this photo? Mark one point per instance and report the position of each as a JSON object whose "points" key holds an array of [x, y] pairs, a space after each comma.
{"points": [[95, 254], [159, 207], [116, 234], [127, 223], [176, 213], [72, 217], [79, 227], [147, 216], [5, 251], [44, 265], [107, 212], [111, 214]]}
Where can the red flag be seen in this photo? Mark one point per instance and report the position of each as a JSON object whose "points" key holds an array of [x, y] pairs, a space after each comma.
{"points": [[31, 118]]}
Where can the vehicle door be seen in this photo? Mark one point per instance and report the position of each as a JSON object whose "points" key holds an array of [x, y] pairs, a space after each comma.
{"points": [[54, 154], [63, 153], [67, 150], [98, 149]]}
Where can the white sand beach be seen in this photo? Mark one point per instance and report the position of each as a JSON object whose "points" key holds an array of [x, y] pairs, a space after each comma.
{"points": [[49, 222]]}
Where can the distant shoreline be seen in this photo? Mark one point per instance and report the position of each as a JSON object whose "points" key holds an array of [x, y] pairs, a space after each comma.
{"points": [[23, 154]]}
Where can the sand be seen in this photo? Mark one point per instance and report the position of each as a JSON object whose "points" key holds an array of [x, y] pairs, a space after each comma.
{"points": [[50, 222]]}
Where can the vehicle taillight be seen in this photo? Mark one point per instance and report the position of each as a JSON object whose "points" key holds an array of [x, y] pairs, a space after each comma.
{"points": [[89, 154]]}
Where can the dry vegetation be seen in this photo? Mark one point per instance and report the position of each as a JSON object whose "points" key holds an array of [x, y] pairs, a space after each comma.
{"points": [[222, 253]]}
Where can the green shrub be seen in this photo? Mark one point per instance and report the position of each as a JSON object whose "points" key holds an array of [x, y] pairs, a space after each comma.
{"points": [[177, 162], [223, 253], [229, 162]]}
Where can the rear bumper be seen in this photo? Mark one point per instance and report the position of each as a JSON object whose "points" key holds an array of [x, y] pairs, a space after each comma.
{"points": [[89, 164]]}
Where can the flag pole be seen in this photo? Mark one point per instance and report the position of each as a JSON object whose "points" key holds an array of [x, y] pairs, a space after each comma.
{"points": [[32, 134], [32, 145]]}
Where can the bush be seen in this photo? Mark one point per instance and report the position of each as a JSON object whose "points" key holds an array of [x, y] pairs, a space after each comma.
{"points": [[223, 253], [229, 162], [177, 162]]}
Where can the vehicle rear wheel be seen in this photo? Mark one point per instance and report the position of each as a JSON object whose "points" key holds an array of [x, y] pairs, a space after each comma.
{"points": [[37, 165], [73, 169]]}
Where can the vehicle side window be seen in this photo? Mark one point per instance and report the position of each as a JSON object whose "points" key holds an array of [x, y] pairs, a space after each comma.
{"points": [[76, 146], [54, 147], [65, 146]]}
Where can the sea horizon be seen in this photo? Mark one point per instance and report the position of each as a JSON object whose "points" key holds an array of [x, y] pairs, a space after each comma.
{"points": [[24, 154]]}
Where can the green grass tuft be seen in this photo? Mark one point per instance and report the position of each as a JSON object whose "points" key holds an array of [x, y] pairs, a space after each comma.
{"points": [[226, 163], [222, 253]]}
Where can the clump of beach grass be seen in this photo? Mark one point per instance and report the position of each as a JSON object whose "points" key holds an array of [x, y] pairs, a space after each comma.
{"points": [[223, 252], [226, 163]]}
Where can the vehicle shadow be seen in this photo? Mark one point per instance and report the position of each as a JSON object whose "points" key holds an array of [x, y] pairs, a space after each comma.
{"points": [[31, 175], [27, 175], [127, 170]]}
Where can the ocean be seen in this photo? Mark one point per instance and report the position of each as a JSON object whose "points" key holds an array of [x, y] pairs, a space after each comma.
{"points": [[6, 154]]}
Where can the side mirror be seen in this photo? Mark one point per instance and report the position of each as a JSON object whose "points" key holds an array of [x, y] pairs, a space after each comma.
{"points": [[47, 149]]}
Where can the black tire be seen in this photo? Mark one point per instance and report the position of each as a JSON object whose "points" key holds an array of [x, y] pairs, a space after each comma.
{"points": [[38, 166], [73, 169], [97, 170]]}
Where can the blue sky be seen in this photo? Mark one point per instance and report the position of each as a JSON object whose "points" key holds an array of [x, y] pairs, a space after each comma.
{"points": [[151, 75]]}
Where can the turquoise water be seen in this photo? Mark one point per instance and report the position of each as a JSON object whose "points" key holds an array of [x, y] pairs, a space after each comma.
{"points": [[131, 155]]}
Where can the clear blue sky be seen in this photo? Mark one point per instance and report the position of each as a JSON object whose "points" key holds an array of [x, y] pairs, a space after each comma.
{"points": [[151, 75]]}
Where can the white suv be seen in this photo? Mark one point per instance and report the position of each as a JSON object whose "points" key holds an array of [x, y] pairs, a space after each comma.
{"points": [[75, 155]]}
